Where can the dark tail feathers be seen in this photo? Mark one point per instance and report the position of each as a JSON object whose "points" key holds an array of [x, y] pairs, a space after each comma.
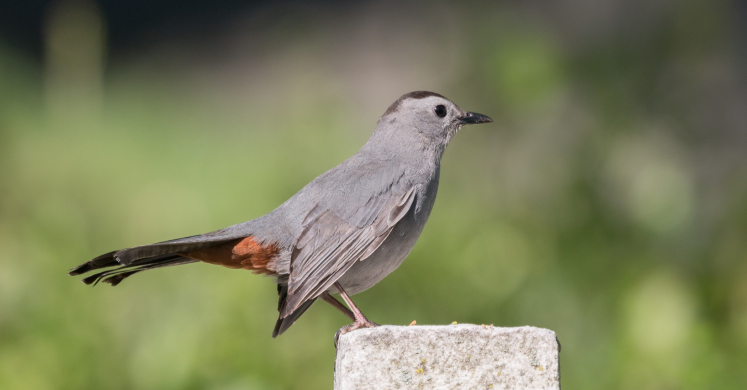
{"points": [[116, 275]]}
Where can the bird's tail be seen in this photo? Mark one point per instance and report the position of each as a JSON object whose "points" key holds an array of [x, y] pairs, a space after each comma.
{"points": [[117, 274], [118, 265]]}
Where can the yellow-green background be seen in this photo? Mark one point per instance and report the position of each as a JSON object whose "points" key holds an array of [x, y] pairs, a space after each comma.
{"points": [[607, 202]]}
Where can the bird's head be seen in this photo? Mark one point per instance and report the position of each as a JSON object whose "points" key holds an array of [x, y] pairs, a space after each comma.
{"points": [[427, 116]]}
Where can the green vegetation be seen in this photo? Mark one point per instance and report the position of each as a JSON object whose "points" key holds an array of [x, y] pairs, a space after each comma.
{"points": [[608, 201]]}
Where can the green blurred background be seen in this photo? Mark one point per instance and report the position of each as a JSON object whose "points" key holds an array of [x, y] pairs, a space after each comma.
{"points": [[608, 201]]}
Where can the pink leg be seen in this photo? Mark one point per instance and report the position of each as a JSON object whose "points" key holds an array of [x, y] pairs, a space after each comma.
{"points": [[338, 305], [360, 321]]}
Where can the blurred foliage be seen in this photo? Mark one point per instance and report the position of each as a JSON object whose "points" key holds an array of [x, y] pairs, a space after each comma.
{"points": [[608, 202]]}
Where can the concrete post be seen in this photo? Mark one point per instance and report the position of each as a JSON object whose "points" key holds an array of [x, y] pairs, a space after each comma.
{"points": [[447, 357]]}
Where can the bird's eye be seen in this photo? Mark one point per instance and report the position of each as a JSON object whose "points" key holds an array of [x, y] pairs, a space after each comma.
{"points": [[440, 110]]}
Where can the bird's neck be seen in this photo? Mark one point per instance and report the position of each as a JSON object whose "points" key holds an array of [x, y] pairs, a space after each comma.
{"points": [[411, 147]]}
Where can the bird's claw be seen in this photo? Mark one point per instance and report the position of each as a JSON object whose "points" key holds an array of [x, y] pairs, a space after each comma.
{"points": [[355, 325]]}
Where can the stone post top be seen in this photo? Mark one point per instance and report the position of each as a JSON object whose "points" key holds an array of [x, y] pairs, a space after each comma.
{"points": [[458, 356]]}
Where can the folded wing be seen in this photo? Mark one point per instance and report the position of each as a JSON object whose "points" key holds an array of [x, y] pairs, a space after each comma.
{"points": [[330, 243]]}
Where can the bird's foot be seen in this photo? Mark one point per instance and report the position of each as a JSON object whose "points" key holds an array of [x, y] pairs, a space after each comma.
{"points": [[364, 323]]}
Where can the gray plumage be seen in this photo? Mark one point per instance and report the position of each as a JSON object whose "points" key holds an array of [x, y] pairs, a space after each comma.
{"points": [[352, 225]]}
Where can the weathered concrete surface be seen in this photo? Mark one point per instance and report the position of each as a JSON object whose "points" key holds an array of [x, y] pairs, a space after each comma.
{"points": [[447, 357]]}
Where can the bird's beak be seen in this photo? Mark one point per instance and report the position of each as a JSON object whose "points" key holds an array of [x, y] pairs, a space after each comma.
{"points": [[472, 118]]}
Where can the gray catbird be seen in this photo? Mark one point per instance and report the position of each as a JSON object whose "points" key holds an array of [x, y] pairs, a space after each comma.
{"points": [[342, 233]]}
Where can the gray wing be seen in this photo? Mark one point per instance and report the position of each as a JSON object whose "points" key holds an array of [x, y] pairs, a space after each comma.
{"points": [[330, 243]]}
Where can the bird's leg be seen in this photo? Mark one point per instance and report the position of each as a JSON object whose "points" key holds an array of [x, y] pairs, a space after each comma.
{"points": [[360, 321], [338, 305]]}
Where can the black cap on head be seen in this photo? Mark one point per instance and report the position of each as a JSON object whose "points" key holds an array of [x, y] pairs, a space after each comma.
{"points": [[411, 95]]}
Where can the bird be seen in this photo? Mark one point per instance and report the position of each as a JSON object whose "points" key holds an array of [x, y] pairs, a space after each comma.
{"points": [[340, 234]]}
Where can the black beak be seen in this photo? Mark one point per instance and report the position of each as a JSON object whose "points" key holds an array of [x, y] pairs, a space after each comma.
{"points": [[472, 118]]}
